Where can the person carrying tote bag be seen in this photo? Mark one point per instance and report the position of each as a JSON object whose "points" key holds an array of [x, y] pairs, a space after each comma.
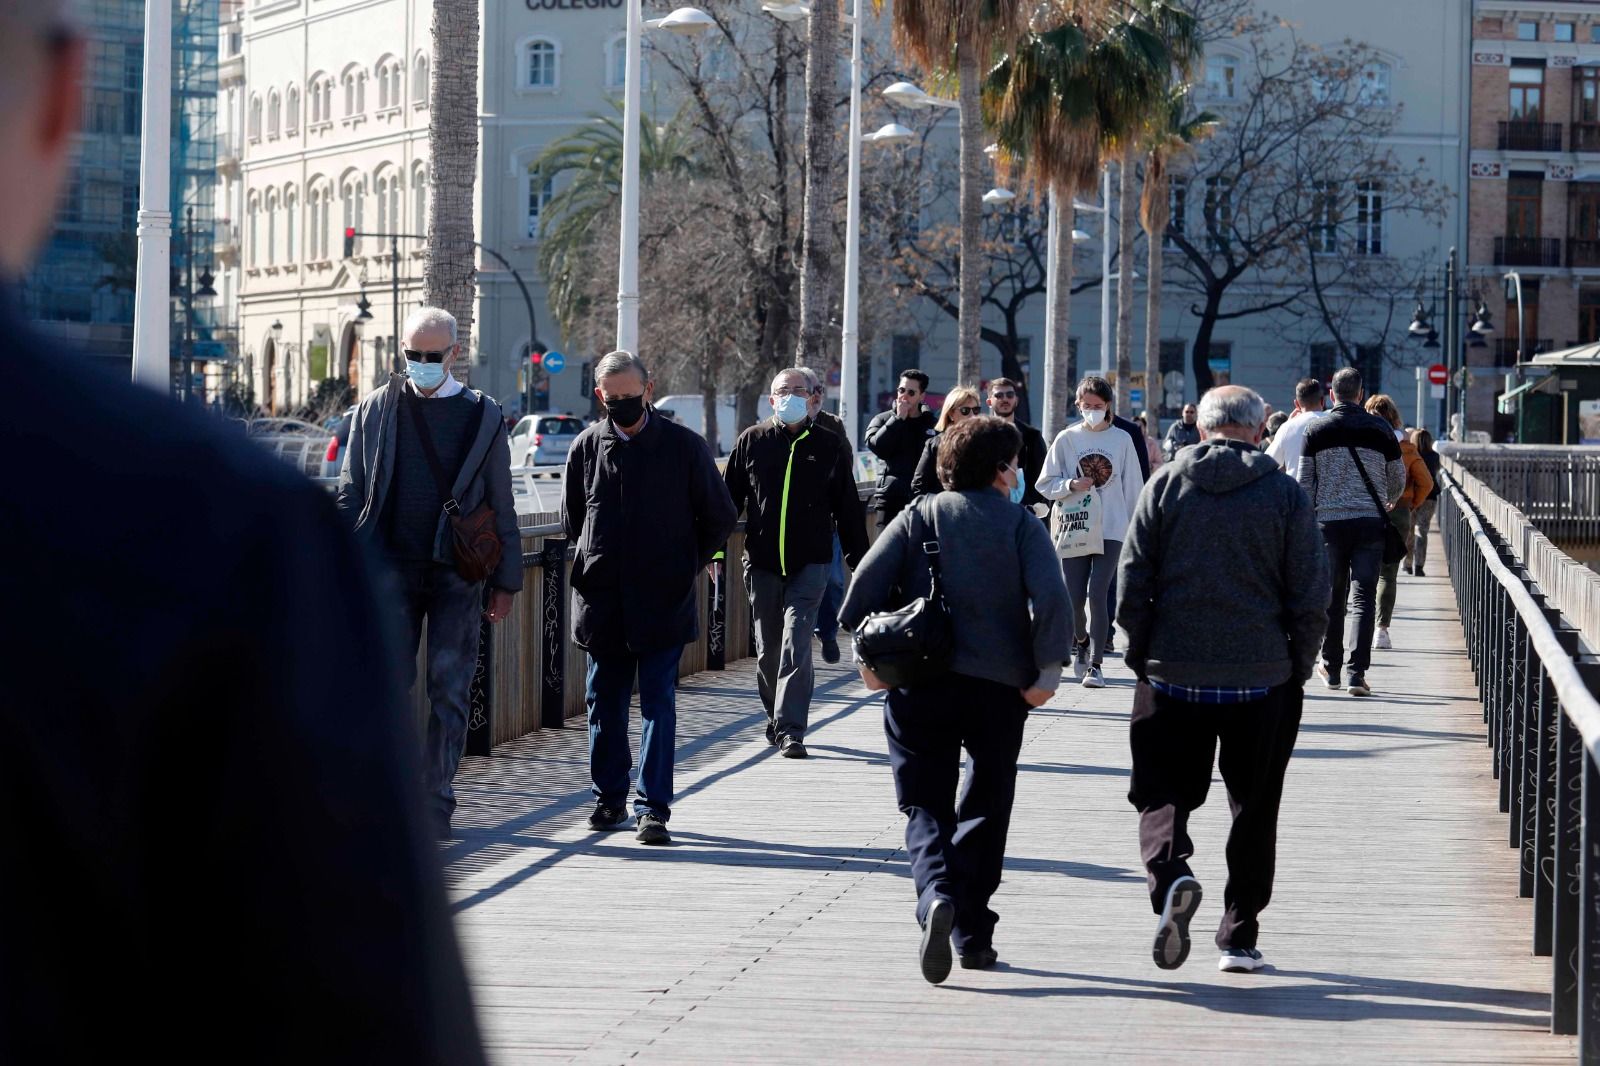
{"points": [[1001, 582], [1092, 467]]}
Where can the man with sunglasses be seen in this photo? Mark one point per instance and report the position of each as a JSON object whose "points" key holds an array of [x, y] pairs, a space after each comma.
{"points": [[417, 443], [209, 791], [1004, 396], [897, 436]]}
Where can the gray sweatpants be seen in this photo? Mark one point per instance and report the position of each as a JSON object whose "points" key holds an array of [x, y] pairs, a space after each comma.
{"points": [[1088, 577], [784, 612]]}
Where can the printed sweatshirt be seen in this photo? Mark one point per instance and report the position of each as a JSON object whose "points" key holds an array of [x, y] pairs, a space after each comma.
{"points": [[1106, 455]]}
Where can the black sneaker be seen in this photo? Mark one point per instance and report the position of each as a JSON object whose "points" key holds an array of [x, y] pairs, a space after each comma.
{"points": [[1418, 572], [935, 954], [772, 733], [1358, 685], [830, 650], [1329, 677], [979, 958], [1240, 960], [652, 830], [791, 748], [1172, 932], [605, 819]]}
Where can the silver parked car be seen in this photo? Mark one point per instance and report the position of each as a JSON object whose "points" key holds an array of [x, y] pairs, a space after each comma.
{"points": [[543, 439]]}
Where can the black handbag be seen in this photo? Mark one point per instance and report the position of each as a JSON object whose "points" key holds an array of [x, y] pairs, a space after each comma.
{"points": [[913, 645], [1394, 542]]}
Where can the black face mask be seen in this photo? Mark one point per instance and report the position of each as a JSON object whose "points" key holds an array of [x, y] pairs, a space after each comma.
{"points": [[626, 410]]}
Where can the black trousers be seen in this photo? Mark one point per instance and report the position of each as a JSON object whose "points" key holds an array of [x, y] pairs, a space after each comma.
{"points": [[1174, 744], [1355, 556], [956, 844]]}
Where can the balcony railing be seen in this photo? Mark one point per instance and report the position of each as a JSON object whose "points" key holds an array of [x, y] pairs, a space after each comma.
{"points": [[1527, 251], [1583, 252], [1586, 136], [1530, 136]]}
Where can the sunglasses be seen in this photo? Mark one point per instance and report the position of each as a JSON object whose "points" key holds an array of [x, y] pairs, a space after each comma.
{"points": [[1003, 395], [903, 391], [426, 357], [970, 411]]}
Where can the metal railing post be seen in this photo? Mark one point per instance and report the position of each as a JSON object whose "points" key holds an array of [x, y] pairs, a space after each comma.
{"points": [[717, 630], [553, 636], [480, 712], [1568, 877]]}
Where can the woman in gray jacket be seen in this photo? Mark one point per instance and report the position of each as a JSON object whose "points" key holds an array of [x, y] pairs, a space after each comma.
{"points": [[1013, 632]]}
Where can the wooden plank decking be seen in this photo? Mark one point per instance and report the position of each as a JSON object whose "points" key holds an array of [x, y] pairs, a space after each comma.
{"points": [[780, 926]]}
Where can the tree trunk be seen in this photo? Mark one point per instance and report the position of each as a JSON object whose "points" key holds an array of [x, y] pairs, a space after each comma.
{"points": [[1200, 360], [1127, 219], [969, 360], [1154, 389], [818, 278], [708, 406], [450, 278], [1058, 393]]}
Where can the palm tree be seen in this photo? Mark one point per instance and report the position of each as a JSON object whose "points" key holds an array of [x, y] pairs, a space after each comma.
{"points": [[451, 274], [964, 35], [579, 209], [818, 277], [1066, 95], [1170, 136]]}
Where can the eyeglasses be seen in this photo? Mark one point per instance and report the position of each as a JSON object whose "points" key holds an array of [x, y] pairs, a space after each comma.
{"points": [[426, 357], [1007, 395], [798, 390], [968, 412]]}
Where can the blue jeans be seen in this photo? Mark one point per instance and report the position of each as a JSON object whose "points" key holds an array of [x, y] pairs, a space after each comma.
{"points": [[832, 596], [453, 609], [608, 694]]}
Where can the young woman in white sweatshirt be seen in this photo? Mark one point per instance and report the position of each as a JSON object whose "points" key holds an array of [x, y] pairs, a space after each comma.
{"points": [[1093, 454]]}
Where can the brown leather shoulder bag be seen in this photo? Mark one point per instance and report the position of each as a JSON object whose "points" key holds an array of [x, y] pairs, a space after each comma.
{"points": [[473, 537]]}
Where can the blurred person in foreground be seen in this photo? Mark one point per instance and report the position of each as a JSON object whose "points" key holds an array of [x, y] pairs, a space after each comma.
{"points": [[213, 833], [1223, 633], [1013, 630]]}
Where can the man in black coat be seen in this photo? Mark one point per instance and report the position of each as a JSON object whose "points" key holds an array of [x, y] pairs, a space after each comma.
{"points": [[897, 436], [833, 595], [647, 510], [1003, 397], [793, 479], [210, 820]]}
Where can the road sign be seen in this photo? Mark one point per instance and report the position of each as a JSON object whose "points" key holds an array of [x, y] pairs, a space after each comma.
{"points": [[1136, 399], [554, 362], [1438, 374]]}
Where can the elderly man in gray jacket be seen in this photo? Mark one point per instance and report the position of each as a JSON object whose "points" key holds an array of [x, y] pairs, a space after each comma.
{"points": [[409, 435], [1224, 594]]}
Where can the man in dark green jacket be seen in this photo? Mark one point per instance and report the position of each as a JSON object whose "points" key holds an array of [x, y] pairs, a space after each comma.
{"points": [[793, 479]]}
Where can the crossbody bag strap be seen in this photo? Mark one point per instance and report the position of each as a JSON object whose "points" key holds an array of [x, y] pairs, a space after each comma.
{"points": [[1383, 512], [425, 438], [929, 543]]}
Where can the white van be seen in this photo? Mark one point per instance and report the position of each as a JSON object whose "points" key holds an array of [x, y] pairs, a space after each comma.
{"points": [[689, 410]]}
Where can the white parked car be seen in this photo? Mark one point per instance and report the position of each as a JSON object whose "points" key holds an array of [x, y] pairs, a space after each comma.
{"points": [[689, 409], [543, 439]]}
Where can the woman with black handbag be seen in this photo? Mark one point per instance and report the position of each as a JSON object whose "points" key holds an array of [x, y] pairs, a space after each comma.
{"points": [[1000, 593]]}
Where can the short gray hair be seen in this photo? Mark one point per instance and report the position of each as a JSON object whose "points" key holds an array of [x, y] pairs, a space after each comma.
{"points": [[798, 370], [1347, 385], [1231, 405], [429, 318], [620, 362], [813, 379]]}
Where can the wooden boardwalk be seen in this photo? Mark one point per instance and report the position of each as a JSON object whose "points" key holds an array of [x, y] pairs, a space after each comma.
{"points": [[780, 926]]}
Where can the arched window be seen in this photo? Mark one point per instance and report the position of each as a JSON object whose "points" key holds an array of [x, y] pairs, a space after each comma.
{"points": [[255, 118], [353, 198], [419, 81], [355, 91], [394, 201], [397, 73], [254, 213], [386, 99], [361, 92], [1222, 76], [540, 190], [290, 223], [291, 111], [1374, 90], [317, 219], [541, 64], [314, 100], [419, 198], [274, 114], [388, 220], [272, 227], [617, 63]]}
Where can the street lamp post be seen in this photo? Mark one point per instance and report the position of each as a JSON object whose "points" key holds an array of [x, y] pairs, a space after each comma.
{"points": [[849, 337], [189, 293], [152, 354], [685, 20]]}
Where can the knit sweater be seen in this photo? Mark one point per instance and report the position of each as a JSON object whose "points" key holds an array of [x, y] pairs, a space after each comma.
{"points": [[1329, 474], [414, 498], [1110, 457]]}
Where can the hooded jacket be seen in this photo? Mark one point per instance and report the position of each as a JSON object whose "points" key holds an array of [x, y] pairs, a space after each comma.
{"points": [[1224, 577], [1419, 479]]}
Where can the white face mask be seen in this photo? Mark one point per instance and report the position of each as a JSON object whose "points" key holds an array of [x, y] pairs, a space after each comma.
{"points": [[1094, 417]]}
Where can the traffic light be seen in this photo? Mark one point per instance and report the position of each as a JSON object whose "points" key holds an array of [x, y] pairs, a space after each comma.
{"points": [[349, 241], [536, 358]]}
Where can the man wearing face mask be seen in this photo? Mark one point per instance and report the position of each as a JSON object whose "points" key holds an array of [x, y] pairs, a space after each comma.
{"points": [[793, 480], [646, 509], [416, 444], [828, 612]]}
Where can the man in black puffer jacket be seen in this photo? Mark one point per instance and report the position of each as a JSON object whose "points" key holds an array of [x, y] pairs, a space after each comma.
{"points": [[793, 478], [897, 436]]}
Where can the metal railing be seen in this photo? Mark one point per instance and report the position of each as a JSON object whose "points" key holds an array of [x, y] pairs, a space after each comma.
{"points": [[1556, 489], [1536, 678], [1529, 137], [1527, 251]]}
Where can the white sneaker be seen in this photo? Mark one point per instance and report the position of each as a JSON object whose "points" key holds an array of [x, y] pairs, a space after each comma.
{"points": [[1080, 659], [1094, 679], [1240, 960], [1381, 641]]}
